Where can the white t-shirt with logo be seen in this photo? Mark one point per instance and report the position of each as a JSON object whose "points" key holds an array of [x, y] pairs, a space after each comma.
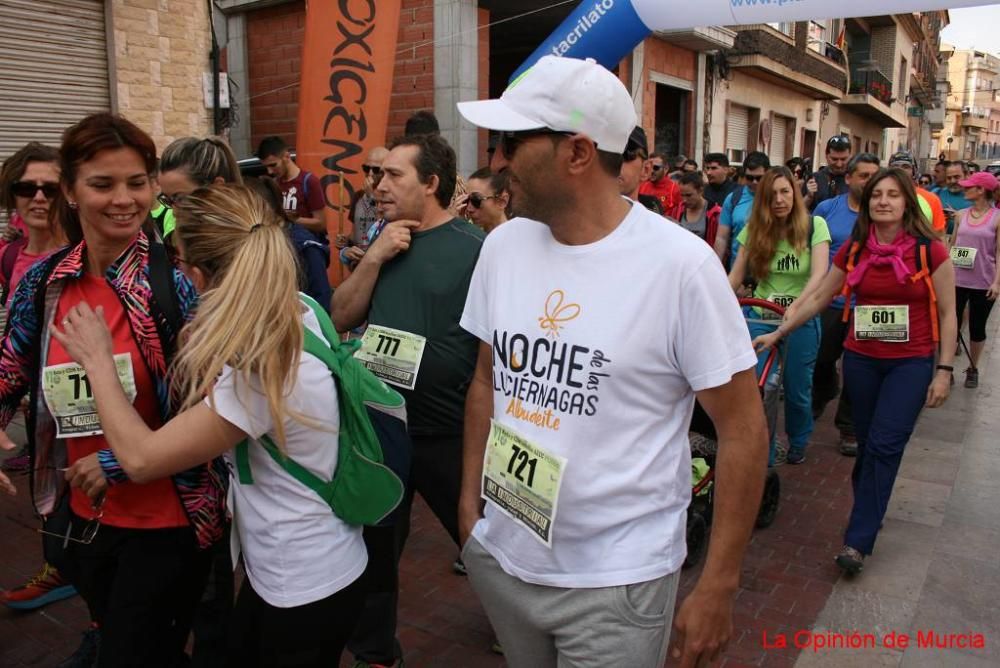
{"points": [[613, 338], [296, 551]]}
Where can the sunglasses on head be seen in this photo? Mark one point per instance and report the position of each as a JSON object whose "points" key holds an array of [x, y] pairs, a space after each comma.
{"points": [[375, 170], [477, 199], [511, 140], [753, 178], [631, 154], [839, 143], [30, 189]]}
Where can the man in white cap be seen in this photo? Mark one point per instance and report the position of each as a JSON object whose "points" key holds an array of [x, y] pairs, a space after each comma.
{"points": [[598, 327]]}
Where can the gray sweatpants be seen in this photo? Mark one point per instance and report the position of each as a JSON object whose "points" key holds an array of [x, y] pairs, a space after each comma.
{"points": [[541, 626]]}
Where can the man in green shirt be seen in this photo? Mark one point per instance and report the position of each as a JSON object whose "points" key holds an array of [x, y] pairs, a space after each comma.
{"points": [[411, 287]]}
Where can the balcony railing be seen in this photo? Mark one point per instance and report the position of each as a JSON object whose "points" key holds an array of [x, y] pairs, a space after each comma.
{"points": [[871, 82]]}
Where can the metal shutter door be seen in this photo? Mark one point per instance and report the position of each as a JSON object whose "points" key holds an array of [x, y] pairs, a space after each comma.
{"points": [[737, 126], [778, 129], [55, 68]]}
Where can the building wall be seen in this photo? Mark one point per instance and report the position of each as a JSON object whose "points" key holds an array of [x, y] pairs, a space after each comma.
{"points": [[274, 46], [161, 52], [660, 57], [769, 98]]}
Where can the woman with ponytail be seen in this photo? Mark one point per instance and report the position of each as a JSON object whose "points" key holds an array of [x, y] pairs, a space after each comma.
{"points": [[240, 375]]}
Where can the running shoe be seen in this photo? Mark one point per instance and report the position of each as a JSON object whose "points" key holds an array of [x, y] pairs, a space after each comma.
{"points": [[18, 463], [850, 560], [46, 587], [848, 446], [796, 456], [85, 655], [971, 378]]}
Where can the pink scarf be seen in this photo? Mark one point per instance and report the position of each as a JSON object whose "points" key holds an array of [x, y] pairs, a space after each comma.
{"points": [[879, 254]]}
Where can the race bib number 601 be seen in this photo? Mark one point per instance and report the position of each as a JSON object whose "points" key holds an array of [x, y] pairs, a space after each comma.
{"points": [[522, 480], [882, 323]]}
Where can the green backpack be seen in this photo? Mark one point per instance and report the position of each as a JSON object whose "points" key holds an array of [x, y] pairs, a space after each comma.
{"points": [[373, 463]]}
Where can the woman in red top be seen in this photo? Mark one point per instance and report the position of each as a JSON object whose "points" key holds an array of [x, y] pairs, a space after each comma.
{"points": [[904, 282], [133, 553]]}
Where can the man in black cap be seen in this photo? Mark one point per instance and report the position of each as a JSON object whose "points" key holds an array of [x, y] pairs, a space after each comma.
{"points": [[636, 169]]}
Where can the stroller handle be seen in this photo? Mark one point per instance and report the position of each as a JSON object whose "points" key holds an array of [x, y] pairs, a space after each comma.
{"points": [[762, 303], [773, 353]]}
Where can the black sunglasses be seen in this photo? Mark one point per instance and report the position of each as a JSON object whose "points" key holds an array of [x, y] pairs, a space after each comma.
{"points": [[657, 166], [839, 143], [752, 178], [373, 169], [511, 140], [30, 189], [477, 199], [631, 154], [170, 201]]}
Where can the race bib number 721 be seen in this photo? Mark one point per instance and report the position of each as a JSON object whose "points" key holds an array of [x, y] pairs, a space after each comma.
{"points": [[522, 480]]}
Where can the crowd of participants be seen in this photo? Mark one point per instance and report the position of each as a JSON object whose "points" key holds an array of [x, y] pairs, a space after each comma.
{"points": [[157, 312]]}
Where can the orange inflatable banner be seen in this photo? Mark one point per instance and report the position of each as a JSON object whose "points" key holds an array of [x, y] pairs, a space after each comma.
{"points": [[348, 56]]}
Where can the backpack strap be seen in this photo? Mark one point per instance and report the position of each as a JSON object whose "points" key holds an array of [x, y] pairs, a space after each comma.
{"points": [[322, 487], [852, 261], [161, 282], [305, 187], [7, 262], [925, 272]]}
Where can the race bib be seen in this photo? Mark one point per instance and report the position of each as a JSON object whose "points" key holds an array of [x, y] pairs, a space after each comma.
{"points": [[882, 323], [522, 480], [782, 300], [70, 400], [392, 354], [963, 258]]}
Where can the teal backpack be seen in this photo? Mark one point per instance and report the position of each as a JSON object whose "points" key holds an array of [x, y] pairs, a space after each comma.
{"points": [[373, 462]]}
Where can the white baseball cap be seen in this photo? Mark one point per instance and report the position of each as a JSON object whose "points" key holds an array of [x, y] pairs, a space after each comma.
{"points": [[565, 94]]}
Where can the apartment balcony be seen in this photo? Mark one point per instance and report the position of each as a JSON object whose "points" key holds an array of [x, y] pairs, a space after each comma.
{"points": [[976, 118], [762, 52], [935, 117], [870, 95], [984, 63], [708, 38]]}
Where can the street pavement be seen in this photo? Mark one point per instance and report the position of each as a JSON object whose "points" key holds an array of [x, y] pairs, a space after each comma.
{"points": [[935, 568]]}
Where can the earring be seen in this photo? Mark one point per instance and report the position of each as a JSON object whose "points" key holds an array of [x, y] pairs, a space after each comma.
{"points": [[73, 205]]}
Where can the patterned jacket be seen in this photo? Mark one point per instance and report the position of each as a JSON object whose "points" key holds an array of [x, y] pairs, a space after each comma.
{"points": [[25, 345]]}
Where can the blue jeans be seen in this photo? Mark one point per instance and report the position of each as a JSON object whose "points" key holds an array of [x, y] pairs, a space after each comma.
{"points": [[886, 398], [801, 347]]}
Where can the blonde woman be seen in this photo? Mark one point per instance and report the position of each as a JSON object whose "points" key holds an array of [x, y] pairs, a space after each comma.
{"points": [[786, 253], [242, 375]]}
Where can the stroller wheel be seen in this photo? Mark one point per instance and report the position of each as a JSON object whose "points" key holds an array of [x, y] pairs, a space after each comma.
{"points": [[697, 538], [770, 499]]}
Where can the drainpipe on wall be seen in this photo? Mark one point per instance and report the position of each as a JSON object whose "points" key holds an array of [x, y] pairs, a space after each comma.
{"points": [[216, 112]]}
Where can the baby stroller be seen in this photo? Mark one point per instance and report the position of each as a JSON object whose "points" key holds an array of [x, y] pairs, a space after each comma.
{"points": [[704, 447]]}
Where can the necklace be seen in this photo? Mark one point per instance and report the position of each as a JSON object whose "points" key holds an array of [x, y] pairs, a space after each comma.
{"points": [[973, 213]]}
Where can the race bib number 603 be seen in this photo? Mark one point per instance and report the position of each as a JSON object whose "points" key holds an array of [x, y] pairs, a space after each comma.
{"points": [[522, 480]]}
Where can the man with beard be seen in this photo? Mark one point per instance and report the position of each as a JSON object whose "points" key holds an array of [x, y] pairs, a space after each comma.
{"points": [[411, 286], [953, 194], [636, 169], [598, 325], [829, 181], [660, 185], [718, 183]]}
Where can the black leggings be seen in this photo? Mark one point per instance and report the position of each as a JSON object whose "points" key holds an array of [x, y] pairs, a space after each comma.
{"points": [[141, 586], [306, 636], [979, 311]]}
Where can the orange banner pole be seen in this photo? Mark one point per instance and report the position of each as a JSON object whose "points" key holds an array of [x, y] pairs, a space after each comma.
{"points": [[348, 56]]}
